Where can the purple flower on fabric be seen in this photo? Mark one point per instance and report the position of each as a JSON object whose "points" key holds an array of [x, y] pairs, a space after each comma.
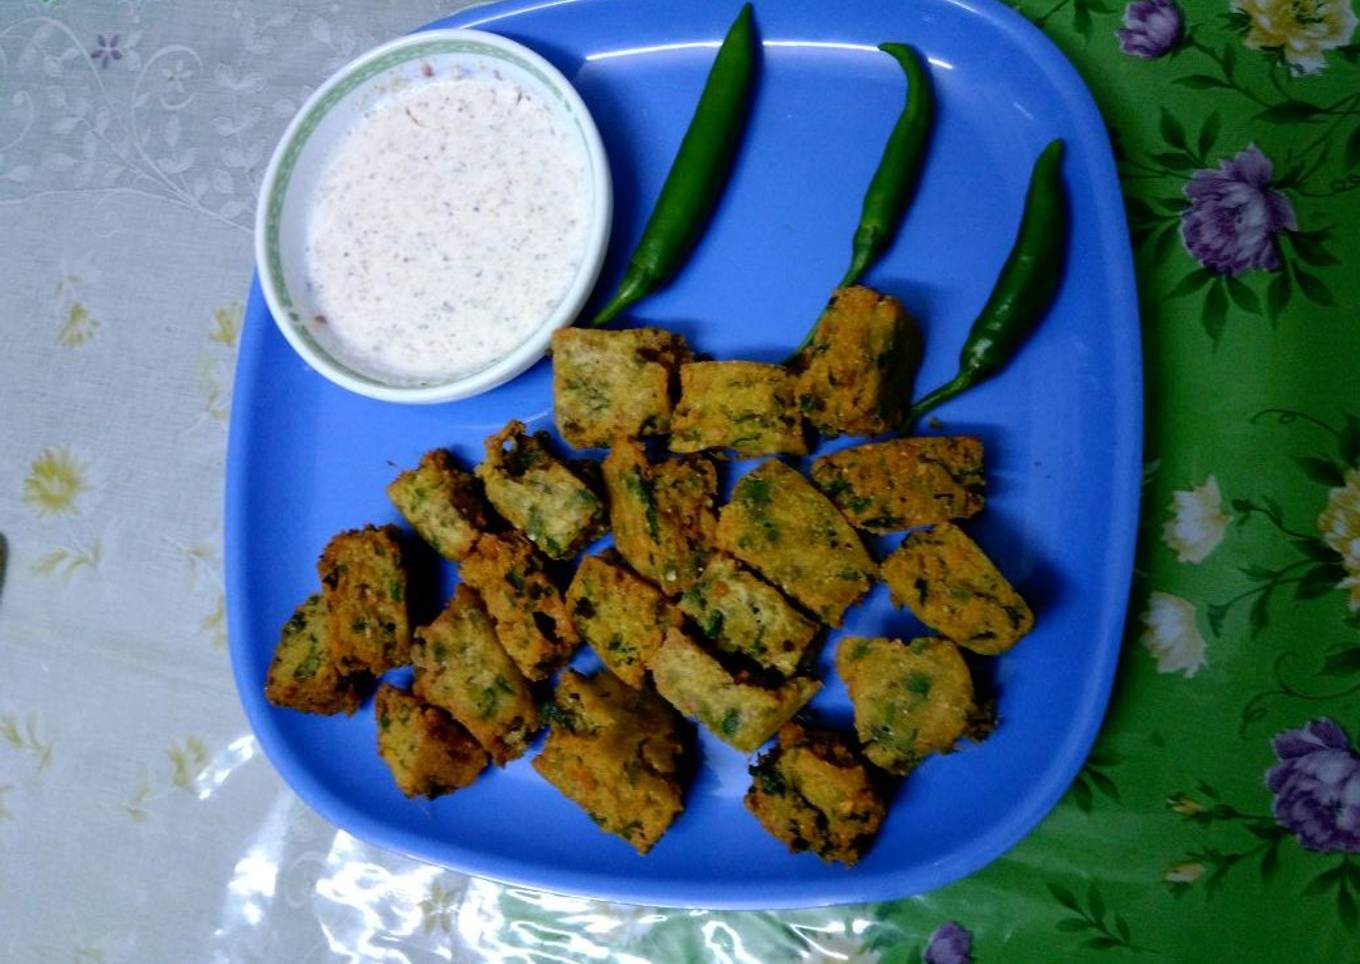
{"points": [[1317, 787], [1151, 28], [1235, 214], [107, 51], [950, 944]]}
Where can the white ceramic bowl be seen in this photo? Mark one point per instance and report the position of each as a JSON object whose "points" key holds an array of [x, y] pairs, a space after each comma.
{"points": [[294, 171]]}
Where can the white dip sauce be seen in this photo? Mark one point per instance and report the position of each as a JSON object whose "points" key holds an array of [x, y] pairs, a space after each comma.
{"points": [[446, 227]]}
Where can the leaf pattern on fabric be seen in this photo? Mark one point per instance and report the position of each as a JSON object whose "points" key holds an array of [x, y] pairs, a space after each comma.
{"points": [[22, 735], [1095, 778], [116, 112], [136, 805], [66, 561], [1315, 788], [188, 759], [1317, 562], [1236, 212], [437, 910], [217, 365], [226, 326], [78, 326], [214, 624], [1092, 917]]}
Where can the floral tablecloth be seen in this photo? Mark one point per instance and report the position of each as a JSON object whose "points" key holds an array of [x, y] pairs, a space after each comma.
{"points": [[1217, 819]]}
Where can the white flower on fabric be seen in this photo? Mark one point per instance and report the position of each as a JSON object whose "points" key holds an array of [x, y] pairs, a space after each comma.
{"points": [[1186, 873], [1300, 30], [1339, 526], [1198, 522], [1172, 635], [1185, 805]]}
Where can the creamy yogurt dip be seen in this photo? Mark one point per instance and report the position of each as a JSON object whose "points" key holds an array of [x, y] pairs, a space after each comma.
{"points": [[445, 228]]}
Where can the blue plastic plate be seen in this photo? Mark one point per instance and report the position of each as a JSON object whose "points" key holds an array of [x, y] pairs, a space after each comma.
{"points": [[1062, 427]]}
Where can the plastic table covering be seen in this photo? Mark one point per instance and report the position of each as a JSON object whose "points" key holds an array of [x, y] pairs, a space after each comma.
{"points": [[1219, 815]]}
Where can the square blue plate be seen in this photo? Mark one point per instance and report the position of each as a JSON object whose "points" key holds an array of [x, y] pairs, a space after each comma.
{"points": [[1062, 427]]}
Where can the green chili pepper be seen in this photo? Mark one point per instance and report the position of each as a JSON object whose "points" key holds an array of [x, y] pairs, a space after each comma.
{"points": [[697, 174], [1024, 290], [899, 170]]}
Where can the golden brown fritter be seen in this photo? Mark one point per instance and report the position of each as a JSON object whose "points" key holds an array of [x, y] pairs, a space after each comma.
{"points": [[910, 699], [615, 751], [428, 752], [739, 711], [443, 503], [749, 407], [814, 792], [460, 667], [612, 383], [538, 493], [904, 482], [791, 534], [525, 605], [740, 613], [952, 587], [662, 514], [303, 676], [856, 372], [364, 585], [621, 615]]}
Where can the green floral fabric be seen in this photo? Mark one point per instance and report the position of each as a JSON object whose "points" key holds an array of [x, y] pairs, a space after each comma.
{"points": [[1218, 817], [1174, 843]]}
